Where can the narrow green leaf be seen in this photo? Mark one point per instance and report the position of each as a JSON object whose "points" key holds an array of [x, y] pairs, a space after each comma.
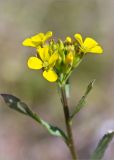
{"points": [[82, 101], [102, 146], [16, 104]]}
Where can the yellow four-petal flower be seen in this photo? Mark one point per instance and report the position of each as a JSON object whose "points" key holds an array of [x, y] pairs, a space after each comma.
{"points": [[89, 45], [45, 61]]}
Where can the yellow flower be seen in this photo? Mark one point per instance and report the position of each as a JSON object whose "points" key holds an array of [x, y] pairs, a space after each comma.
{"points": [[37, 40], [89, 45], [45, 62]]}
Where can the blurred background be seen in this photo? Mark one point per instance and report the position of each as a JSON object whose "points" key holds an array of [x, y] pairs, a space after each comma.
{"points": [[20, 137]]}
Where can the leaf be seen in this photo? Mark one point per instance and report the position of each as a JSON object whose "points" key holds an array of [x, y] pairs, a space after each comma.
{"points": [[16, 104], [82, 101], [102, 146]]}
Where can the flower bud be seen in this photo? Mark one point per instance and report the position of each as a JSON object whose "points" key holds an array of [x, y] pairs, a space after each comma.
{"points": [[69, 58], [68, 40]]}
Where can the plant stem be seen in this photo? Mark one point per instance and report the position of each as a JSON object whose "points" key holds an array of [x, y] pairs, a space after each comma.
{"points": [[68, 122]]}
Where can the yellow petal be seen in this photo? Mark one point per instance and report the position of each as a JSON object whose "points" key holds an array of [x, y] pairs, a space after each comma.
{"points": [[96, 49], [50, 75], [38, 37], [90, 43], [79, 38], [44, 53], [41, 35], [53, 59], [48, 35], [34, 63], [28, 42]]}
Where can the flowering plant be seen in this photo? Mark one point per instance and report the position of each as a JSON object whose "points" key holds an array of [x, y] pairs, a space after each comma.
{"points": [[57, 60]]}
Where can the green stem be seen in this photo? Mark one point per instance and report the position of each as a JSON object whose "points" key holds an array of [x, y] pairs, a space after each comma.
{"points": [[68, 122]]}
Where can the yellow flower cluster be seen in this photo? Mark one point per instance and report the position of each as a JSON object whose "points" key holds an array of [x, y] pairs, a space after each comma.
{"points": [[58, 59]]}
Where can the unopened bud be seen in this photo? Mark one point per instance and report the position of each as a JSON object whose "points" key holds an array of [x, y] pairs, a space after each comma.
{"points": [[69, 58], [68, 40]]}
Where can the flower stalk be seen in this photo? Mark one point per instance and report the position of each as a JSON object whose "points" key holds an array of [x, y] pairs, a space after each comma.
{"points": [[68, 122]]}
